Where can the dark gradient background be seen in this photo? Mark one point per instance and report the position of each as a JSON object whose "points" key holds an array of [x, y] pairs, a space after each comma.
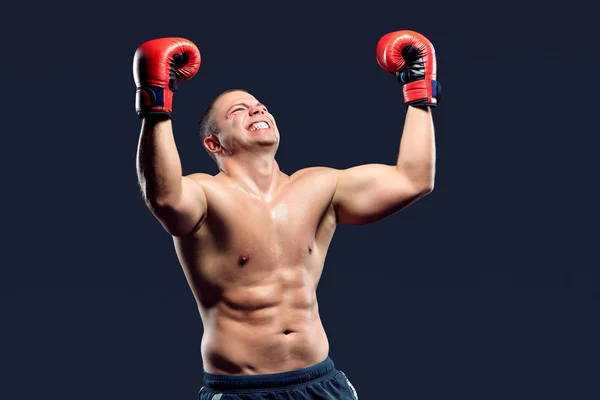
{"points": [[485, 289]]}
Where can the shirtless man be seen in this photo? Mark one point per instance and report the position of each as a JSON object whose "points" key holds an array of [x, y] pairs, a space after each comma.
{"points": [[252, 239]]}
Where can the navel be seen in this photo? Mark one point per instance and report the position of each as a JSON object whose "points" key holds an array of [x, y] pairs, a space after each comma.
{"points": [[309, 249], [243, 258]]}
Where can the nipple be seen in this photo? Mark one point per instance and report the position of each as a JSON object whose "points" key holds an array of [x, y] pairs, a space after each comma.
{"points": [[243, 258]]}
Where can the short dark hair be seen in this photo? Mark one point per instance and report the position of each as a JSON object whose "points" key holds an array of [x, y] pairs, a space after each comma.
{"points": [[208, 125]]}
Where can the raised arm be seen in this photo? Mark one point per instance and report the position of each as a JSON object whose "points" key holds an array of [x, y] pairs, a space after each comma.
{"points": [[368, 193], [371, 192], [178, 202]]}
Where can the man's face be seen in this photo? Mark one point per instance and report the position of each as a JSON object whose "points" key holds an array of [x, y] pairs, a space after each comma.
{"points": [[244, 123]]}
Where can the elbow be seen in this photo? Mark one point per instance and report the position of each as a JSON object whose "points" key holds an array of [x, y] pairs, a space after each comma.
{"points": [[428, 184], [424, 191], [423, 188], [428, 188], [421, 179]]}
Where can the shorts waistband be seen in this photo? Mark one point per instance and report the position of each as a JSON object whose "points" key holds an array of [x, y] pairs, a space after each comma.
{"points": [[267, 381]]}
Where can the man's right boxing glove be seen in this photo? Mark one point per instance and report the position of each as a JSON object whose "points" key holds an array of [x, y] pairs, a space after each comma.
{"points": [[157, 67], [410, 56]]}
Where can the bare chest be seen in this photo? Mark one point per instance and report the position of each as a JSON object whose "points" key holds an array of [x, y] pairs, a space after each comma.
{"points": [[248, 241], [284, 231]]}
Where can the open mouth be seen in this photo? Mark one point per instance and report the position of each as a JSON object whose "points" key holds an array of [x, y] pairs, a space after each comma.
{"points": [[258, 125]]}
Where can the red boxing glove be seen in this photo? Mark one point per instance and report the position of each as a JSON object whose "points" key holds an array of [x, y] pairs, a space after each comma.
{"points": [[411, 57], [157, 67]]}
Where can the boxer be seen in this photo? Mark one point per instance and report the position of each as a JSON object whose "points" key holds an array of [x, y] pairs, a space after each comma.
{"points": [[251, 239]]}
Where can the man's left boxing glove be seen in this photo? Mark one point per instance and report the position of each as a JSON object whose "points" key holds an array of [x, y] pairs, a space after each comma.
{"points": [[411, 57], [157, 67]]}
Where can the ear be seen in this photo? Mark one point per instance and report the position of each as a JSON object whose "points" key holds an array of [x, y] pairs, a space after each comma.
{"points": [[213, 144]]}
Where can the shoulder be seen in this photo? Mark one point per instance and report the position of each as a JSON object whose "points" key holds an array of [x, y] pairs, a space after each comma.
{"points": [[315, 173], [200, 177], [323, 179]]}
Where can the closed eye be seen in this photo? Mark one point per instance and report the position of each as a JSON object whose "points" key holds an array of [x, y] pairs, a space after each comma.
{"points": [[236, 110]]}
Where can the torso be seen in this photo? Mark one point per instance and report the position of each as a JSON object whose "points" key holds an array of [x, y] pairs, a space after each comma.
{"points": [[254, 267]]}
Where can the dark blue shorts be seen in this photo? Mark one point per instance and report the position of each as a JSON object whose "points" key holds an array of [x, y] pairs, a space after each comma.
{"points": [[318, 382]]}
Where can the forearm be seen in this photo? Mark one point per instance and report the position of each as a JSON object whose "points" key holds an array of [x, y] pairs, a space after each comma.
{"points": [[416, 159], [159, 168]]}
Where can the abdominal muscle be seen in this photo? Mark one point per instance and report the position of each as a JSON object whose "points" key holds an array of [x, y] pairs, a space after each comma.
{"points": [[263, 329]]}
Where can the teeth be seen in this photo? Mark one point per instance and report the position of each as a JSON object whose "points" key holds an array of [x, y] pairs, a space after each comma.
{"points": [[259, 125]]}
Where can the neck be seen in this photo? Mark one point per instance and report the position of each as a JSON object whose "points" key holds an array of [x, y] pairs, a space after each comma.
{"points": [[257, 175]]}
